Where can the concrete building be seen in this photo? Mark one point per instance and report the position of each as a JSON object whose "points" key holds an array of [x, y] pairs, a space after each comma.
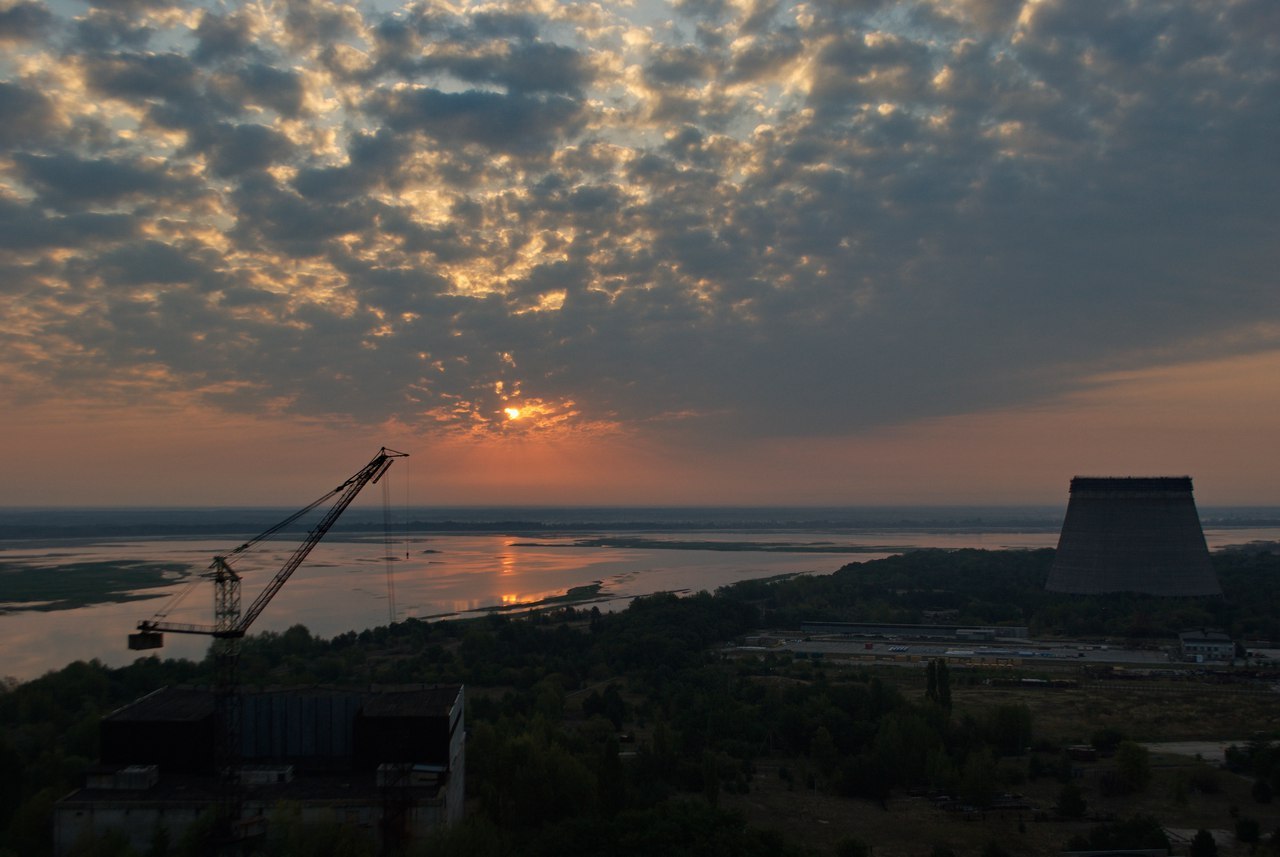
{"points": [[390, 760], [1202, 645], [1132, 534]]}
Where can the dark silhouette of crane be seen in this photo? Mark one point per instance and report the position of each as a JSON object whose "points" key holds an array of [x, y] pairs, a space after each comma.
{"points": [[230, 625]]}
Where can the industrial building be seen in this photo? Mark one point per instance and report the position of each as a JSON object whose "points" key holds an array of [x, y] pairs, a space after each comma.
{"points": [[1132, 534], [916, 632], [387, 759], [1205, 645]]}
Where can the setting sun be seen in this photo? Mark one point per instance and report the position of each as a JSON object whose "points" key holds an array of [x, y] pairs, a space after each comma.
{"points": [[512, 413]]}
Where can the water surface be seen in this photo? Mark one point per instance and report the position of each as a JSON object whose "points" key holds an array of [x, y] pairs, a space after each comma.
{"points": [[353, 581]]}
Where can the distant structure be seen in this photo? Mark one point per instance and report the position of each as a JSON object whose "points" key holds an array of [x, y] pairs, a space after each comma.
{"points": [[1204, 644], [1132, 534], [389, 760]]}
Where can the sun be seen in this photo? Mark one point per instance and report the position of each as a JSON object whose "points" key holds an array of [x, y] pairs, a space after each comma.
{"points": [[512, 413]]}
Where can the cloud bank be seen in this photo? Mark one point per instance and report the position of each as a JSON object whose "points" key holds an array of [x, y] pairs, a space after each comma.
{"points": [[748, 218]]}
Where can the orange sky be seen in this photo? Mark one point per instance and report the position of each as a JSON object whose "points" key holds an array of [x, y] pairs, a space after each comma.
{"points": [[1216, 421]]}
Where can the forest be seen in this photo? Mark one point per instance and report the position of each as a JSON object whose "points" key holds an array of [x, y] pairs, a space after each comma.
{"points": [[632, 733]]}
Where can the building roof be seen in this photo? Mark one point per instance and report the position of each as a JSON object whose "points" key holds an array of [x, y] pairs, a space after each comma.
{"points": [[1201, 635], [168, 704], [192, 704], [419, 702]]}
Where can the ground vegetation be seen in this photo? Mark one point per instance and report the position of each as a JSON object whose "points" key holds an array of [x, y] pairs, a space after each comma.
{"points": [[638, 733]]}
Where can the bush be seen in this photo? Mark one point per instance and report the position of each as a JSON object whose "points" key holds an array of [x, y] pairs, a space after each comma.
{"points": [[1204, 779], [1203, 845], [1262, 791], [1071, 802], [1133, 769], [1105, 741], [1248, 830], [1137, 832], [853, 848]]}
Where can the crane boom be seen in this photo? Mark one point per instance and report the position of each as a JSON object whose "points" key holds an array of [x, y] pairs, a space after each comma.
{"points": [[231, 624]]}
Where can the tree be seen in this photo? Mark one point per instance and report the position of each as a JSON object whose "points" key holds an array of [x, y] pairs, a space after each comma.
{"points": [[1106, 740], [1071, 802], [853, 848], [1136, 832], [710, 778], [1008, 727], [1133, 767], [1248, 830], [978, 778], [1262, 791], [1203, 845], [822, 749]]}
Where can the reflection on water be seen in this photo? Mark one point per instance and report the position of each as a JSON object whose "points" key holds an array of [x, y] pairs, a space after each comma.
{"points": [[344, 584]]}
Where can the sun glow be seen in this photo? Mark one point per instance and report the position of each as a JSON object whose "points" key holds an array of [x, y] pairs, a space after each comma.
{"points": [[512, 413]]}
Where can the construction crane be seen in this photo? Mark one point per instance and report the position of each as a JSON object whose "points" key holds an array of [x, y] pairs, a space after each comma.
{"points": [[229, 622], [230, 625]]}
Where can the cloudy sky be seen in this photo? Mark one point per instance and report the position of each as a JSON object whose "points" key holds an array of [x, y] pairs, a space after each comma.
{"points": [[705, 251]]}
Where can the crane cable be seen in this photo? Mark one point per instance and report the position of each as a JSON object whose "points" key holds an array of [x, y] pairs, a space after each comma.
{"points": [[386, 548], [177, 599]]}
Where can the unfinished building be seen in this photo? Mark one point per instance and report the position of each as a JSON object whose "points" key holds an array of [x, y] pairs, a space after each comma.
{"points": [[387, 760]]}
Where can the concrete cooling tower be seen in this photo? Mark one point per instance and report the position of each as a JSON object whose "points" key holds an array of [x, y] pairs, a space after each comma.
{"points": [[1132, 534]]}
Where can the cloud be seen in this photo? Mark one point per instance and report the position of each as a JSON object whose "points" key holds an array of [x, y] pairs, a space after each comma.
{"points": [[23, 21], [25, 227], [139, 76], [67, 182], [502, 122], [768, 219], [222, 37], [28, 115]]}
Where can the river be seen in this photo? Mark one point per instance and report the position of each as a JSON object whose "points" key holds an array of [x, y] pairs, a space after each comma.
{"points": [[354, 582]]}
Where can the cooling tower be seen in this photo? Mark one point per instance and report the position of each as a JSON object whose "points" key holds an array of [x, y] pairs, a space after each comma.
{"points": [[1132, 534]]}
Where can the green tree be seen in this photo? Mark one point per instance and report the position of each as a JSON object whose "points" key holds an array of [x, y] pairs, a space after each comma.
{"points": [[1105, 741], [1262, 791], [978, 778], [1135, 832], [944, 685], [103, 843], [710, 778], [1071, 802], [1248, 830], [822, 749], [1133, 767], [1008, 727], [853, 848], [1203, 844]]}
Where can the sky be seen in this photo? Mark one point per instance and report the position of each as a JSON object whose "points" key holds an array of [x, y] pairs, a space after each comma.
{"points": [[704, 251]]}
